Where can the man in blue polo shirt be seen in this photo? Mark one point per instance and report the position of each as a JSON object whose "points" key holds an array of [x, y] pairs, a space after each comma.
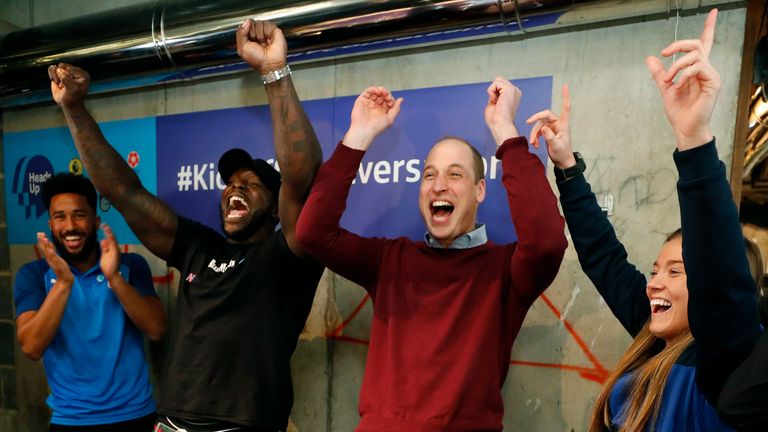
{"points": [[83, 311]]}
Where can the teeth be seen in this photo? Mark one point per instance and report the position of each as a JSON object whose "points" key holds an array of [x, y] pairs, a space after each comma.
{"points": [[660, 302], [441, 204], [236, 198], [72, 238]]}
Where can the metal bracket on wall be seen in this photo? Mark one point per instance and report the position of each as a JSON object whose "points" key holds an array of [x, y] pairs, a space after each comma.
{"points": [[517, 16]]}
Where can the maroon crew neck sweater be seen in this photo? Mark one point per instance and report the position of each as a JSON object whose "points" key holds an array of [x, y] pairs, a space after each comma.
{"points": [[444, 320]]}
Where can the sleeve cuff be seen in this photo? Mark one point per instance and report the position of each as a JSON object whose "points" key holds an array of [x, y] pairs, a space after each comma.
{"points": [[697, 162], [573, 186], [347, 153], [515, 144]]}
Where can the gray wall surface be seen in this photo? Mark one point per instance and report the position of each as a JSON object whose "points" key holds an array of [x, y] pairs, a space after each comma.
{"points": [[618, 125]]}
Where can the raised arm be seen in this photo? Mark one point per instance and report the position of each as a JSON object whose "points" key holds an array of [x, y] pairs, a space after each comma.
{"points": [[144, 309], [37, 325], [540, 228], [318, 230], [722, 308], [262, 45], [150, 218], [601, 256]]}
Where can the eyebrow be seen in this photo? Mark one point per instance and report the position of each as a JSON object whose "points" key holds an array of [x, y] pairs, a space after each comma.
{"points": [[453, 165], [656, 264]]}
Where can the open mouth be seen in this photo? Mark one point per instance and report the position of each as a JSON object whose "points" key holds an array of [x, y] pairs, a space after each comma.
{"points": [[660, 305], [441, 210], [237, 208], [73, 240]]}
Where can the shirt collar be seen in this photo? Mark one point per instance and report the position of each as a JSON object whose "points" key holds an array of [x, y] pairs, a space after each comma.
{"points": [[474, 238]]}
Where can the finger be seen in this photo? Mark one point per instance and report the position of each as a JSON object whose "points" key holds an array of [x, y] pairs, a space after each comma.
{"points": [[52, 74], [657, 73], [258, 33], [107, 231], [535, 132], [269, 31], [395, 110], [546, 116], [547, 133], [686, 45], [565, 114], [241, 35], [493, 92], [708, 34], [680, 64], [41, 242], [686, 75]]}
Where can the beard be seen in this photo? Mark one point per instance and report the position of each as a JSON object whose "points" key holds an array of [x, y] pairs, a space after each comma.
{"points": [[90, 244], [257, 223]]}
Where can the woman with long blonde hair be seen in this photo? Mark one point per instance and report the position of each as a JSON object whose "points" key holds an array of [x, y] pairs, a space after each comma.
{"points": [[653, 387]]}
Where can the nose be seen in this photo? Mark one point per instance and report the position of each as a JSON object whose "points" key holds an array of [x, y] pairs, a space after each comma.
{"points": [[655, 283], [69, 223], [238, 184], [439, 184]]}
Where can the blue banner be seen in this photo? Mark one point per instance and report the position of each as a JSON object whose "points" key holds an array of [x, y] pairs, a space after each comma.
{"points": [[384, 199], [31, 157]]}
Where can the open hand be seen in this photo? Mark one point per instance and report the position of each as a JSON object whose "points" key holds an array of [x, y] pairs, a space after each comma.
{"points": [[58, 265], [374, 111], [556, 131], [690, 101], [110, 253]]}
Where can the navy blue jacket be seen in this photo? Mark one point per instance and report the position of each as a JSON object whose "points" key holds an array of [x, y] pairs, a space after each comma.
{"points": [[722, 308], [604, 259]]}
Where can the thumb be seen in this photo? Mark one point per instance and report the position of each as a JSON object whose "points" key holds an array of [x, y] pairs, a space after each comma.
{"points": [[395, 110], [241, 35], [657, 72]]}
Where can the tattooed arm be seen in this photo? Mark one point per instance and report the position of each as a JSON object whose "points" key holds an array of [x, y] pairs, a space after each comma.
{"points": [[150, 218], [262, 45]]}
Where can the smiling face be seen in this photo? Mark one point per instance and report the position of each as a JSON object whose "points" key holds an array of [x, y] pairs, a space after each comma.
{"points": [[450, 194], [73, 226], [667, 290], [247, 206]]}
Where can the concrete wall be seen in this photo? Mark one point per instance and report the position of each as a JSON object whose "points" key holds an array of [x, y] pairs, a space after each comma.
{"points": [[618, 125]]}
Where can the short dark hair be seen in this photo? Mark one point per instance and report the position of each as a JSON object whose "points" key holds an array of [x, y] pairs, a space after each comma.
{"points": [[478, 167], [68, 183]]}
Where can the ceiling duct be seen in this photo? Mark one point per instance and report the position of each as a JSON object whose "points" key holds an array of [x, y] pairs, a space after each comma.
{"points": [[170, 40]]}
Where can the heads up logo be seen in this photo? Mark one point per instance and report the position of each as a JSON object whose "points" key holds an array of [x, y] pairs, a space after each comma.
{"points": [[28, 178]]}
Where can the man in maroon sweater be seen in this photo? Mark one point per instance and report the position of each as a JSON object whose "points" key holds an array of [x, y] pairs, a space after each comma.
{"points": [[446, 311]]}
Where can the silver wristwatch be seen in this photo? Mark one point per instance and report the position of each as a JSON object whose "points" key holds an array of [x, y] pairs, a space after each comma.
{"points": [[276, 75]]}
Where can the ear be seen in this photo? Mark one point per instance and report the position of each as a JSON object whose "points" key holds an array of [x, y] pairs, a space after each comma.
{"points": [[480, 191], [50, 224], [98, 222]]}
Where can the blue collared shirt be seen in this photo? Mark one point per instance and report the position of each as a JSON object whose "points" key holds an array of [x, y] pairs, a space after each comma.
{"points": [[476, 237]]}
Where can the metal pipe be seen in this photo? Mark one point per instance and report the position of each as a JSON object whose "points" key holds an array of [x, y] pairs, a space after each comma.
{"points": [[169, 40]]}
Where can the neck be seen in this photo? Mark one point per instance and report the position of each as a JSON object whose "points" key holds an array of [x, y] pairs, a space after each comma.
{"points": [[87, 263], [261, 233]]}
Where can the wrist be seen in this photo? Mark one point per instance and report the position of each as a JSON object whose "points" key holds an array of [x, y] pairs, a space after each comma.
{"points": [[73, 107], [114, 279], [274, 73], [502, 133], [564, 172], [65, 282], [568, 162], [357, 139], [687, 142]]}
